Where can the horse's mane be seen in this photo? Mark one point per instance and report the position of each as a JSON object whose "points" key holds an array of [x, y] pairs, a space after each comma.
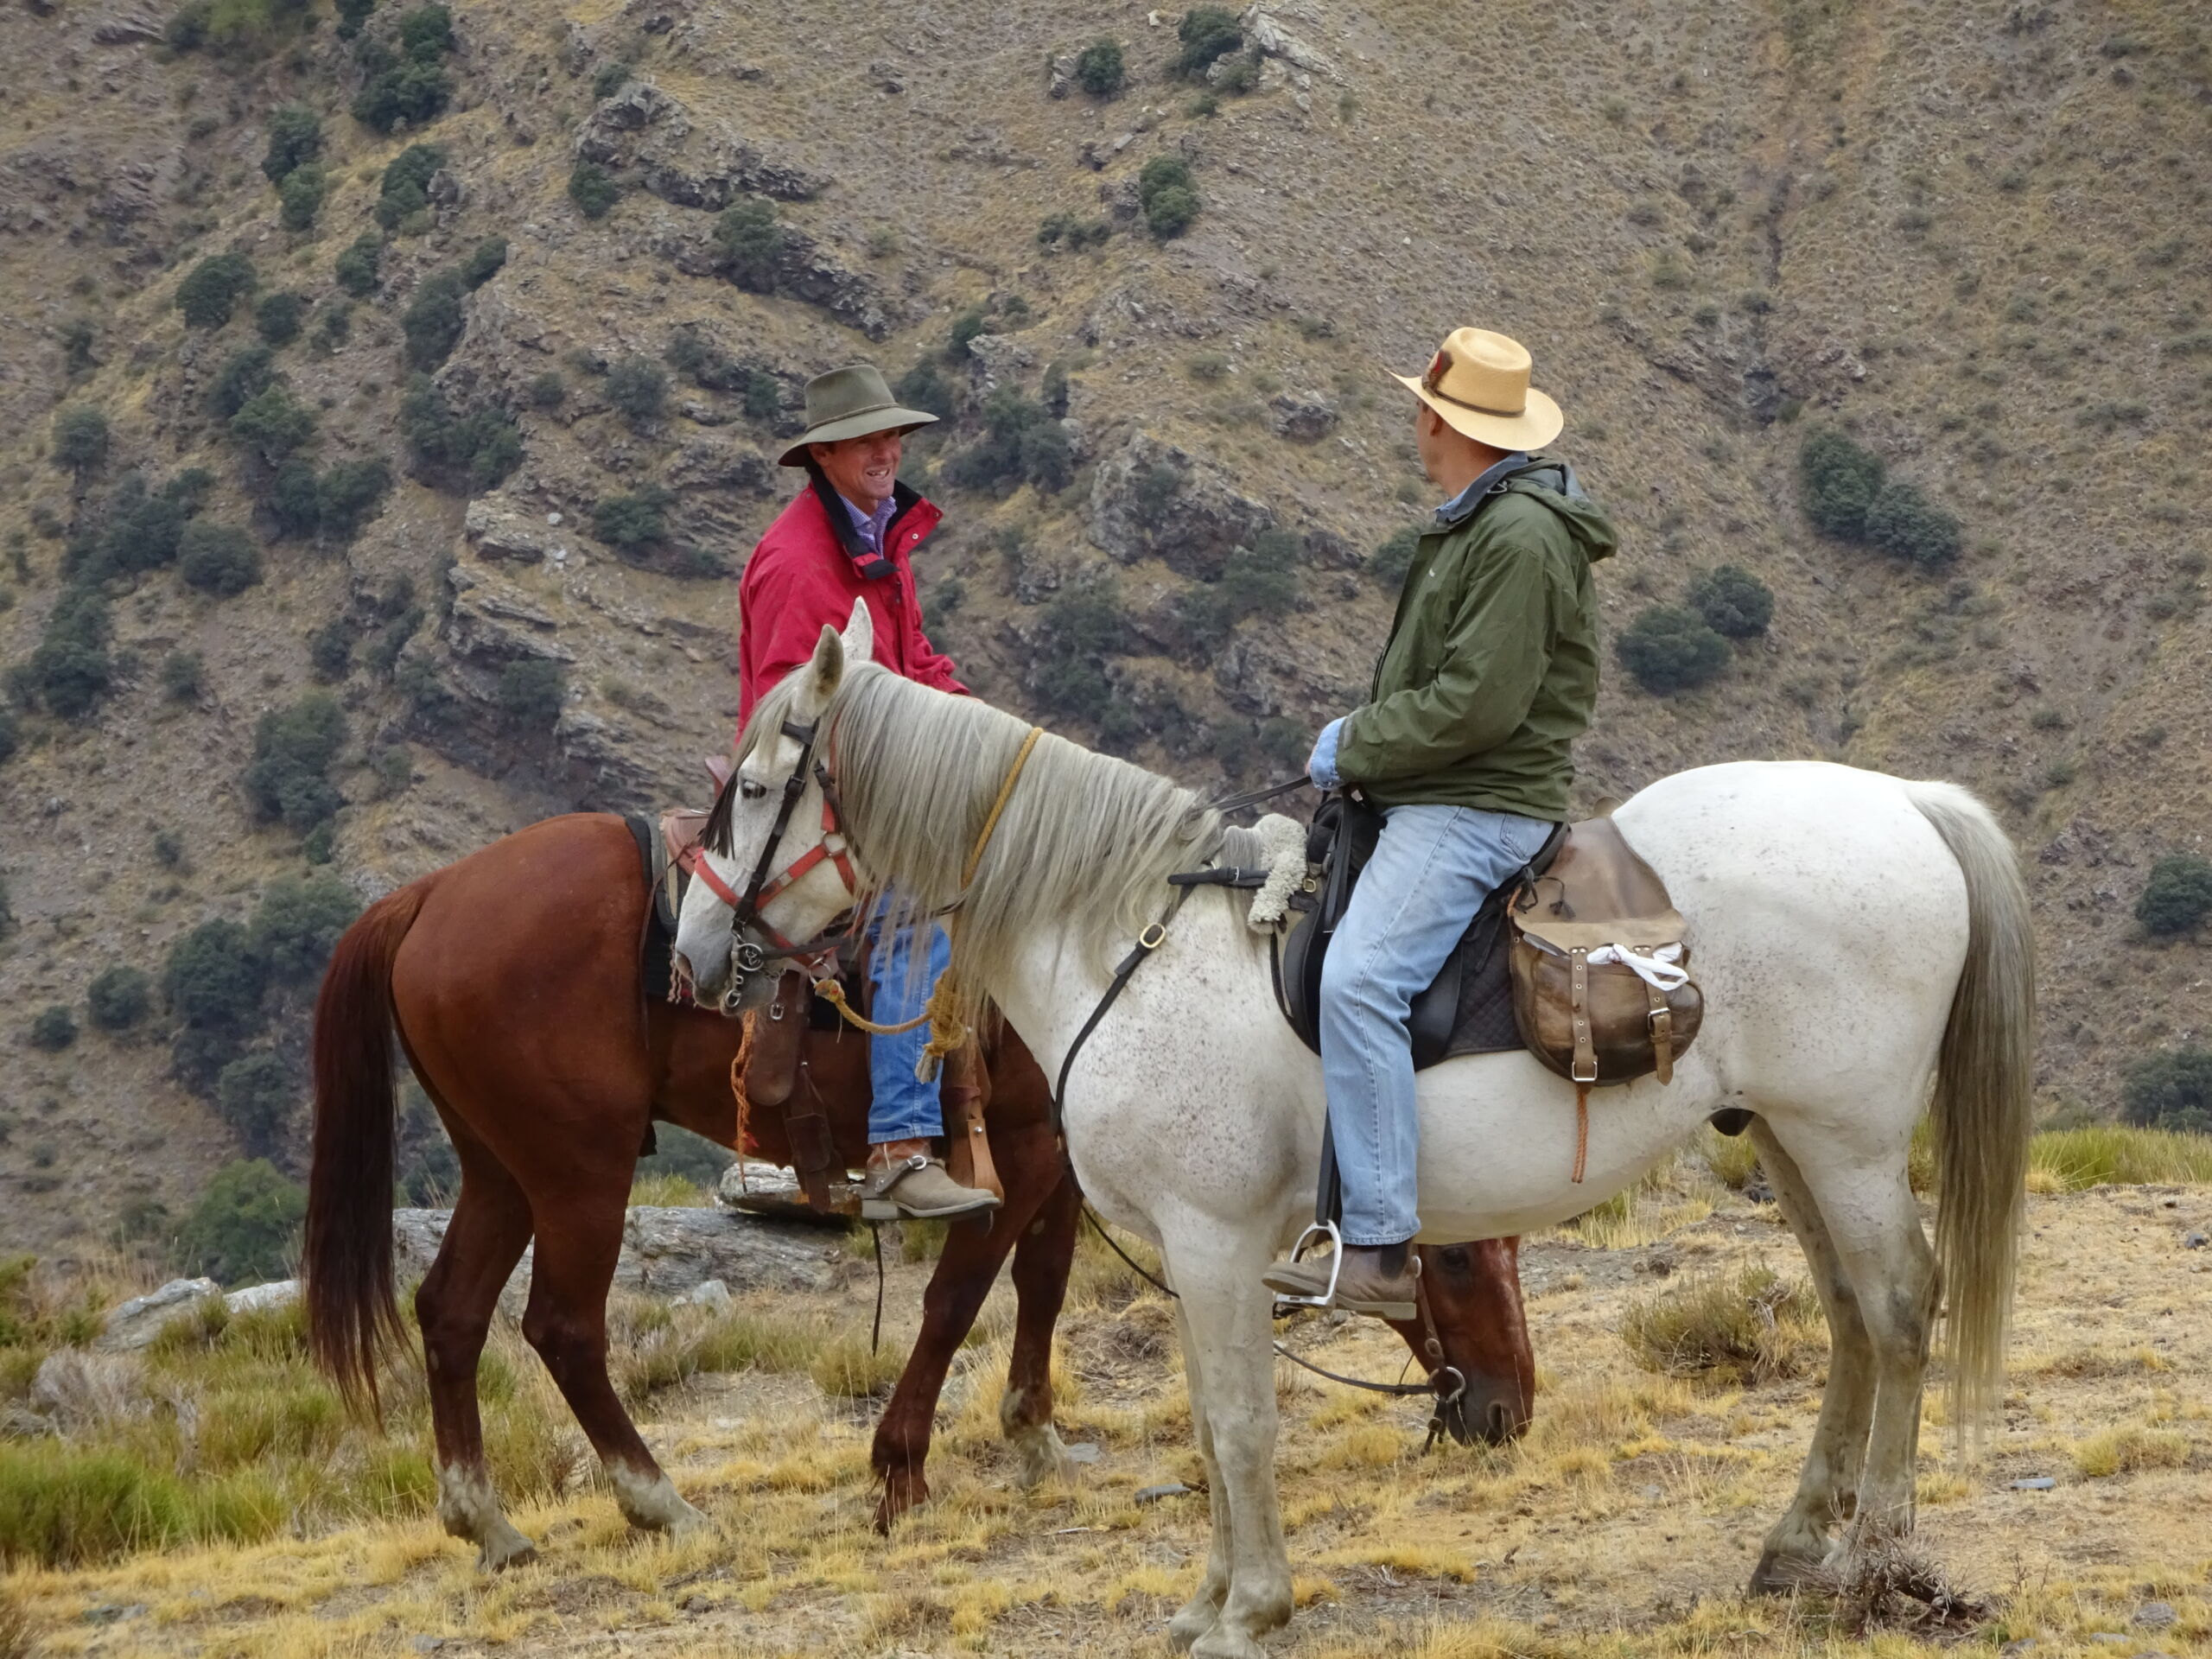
{"points": [[1084, 837]]}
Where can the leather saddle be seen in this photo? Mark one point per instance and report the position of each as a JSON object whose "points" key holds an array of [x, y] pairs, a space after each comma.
{"points": [[1468, 1008]]}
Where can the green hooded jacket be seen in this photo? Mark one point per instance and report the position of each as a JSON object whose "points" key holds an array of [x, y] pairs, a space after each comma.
{"points": [[1490, 671]]}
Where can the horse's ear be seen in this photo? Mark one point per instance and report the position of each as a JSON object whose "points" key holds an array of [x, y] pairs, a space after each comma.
{"points": [[823, 672], [859, 634]]}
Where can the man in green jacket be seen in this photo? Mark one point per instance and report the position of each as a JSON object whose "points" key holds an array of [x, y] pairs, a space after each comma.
{"points": [[1489, 674]]}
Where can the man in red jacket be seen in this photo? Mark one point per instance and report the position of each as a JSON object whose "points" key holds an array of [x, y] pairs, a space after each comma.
{"points": [[851, 535]]}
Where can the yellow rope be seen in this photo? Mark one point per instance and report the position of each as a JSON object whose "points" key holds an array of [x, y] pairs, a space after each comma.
{"points": [[947, 1033], [738, 1063]]}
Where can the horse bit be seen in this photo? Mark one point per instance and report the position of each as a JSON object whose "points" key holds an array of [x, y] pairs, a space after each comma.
{"points": [[747, 955]]}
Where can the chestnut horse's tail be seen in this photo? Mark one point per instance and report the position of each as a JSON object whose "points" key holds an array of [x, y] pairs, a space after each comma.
{"points": [[351, 1314]]}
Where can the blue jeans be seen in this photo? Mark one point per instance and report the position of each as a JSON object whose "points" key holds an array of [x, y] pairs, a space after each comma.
{"points": [[1430, 871], [902, 1107]]}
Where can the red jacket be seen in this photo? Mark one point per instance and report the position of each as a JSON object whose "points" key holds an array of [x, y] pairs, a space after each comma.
{"points": [[802, 575]]}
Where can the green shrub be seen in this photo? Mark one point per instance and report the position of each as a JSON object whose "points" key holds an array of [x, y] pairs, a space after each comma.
{"points": [[434, 318], [2177, 896], [1021, 444], [349, 494], [356, 270], [255, 1095], [352, 14], [278, 317], [213, 979], [70, 671], [1388, 563], [1838, 481], [1169, 196], [273, 423], [532, 691], [1733, 601], [142, 527], [404, 189], [1260, 580], [81, 438], [2170, 1090], [245, 374], [213, 288], [594, 189], [412, 86], [1082, 626], [474, 451], [52, 1029], [1903, 521], [547, 391], [287, 778], [965, 327], [118, 998], [11, 739], [63, 1505], [330, 650], [1668, 650], [1099, 69], [300, 198], [292, 501], [297, 924], [184, 675], [245, 1228], [1066, 230], [925, 387], [633, 520], [1207, 33], [753, 244], [638, 389], [187, 28], [483, 261], [219, 559]]}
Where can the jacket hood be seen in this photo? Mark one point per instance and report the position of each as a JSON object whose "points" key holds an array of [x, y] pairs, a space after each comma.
{"points": [[1553, 483]]}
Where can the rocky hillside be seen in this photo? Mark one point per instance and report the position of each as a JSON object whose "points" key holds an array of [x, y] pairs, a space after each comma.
{"points": [[388, 397]]}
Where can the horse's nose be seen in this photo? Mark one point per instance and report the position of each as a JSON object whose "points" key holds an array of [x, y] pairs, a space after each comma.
{"points": [[1499, 1428]]}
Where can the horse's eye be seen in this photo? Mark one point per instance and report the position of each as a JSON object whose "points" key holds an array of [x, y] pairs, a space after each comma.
{"points": [[1455, 1257], [751, 790]]}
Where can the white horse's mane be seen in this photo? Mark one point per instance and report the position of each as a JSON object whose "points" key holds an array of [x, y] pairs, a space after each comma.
{"points": [[1084, 837]]}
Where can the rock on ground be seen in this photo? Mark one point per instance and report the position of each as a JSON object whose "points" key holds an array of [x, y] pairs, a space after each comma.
{"points": [[139, 1320], [666, 1252]]}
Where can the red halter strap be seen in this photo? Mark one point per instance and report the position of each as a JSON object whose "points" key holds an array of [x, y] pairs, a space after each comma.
{"points": [[833, 847]]}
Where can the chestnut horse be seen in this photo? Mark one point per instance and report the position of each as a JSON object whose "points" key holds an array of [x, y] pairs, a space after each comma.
{"points": [[512, 979]]}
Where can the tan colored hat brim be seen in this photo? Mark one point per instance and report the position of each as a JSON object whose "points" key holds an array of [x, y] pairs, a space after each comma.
{"points": [[887, 419], [1536, 425]]}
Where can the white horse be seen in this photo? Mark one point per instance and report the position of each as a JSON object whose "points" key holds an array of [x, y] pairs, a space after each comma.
{"points": [[1862, 942]]}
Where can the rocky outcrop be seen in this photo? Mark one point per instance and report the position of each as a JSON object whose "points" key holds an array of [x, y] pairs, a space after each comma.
{"points": [[643, 131], [995, 360], [1150, 499], [138, 1321], [666, 1252], [1303, 417], [802, 271]]}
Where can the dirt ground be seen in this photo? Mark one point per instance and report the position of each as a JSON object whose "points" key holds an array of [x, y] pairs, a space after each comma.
{"points": [[1626, 1522]]}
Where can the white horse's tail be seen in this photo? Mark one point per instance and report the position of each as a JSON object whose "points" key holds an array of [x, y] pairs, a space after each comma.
{"points": [[1982, 1104]]}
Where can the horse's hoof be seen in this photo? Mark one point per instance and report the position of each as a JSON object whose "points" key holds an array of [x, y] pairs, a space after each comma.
{"points": [[900, 1495], [1778, 1574], [1043, 1457], [1224, 1642], [504, 1549], [1192, 1621]]}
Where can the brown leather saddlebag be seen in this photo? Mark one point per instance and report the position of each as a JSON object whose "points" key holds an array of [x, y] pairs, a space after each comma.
{"points": [[1601, 1022]]}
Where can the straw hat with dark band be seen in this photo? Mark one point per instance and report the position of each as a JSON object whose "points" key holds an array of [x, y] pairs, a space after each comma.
{"points": [[1477, 384], [849, 403]]}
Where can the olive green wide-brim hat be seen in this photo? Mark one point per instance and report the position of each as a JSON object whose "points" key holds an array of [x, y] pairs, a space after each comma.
{"points": [[850, 402]]}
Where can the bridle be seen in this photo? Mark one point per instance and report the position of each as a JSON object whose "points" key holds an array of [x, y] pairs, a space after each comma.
{"points": [[750, 955]]}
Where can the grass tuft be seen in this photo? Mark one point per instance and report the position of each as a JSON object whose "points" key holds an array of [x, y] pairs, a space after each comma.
{"points": [[2129, 1450], [2097, 1154], [1756, 1327]]}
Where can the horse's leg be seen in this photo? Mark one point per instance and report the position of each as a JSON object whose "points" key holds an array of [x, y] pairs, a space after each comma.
{"points": [[1828, 1487], [956, 1291], [566, 1322], [1042, 1259], [1868, 1205], [1226, 1323], [483, 1242], [1198, 1615]]}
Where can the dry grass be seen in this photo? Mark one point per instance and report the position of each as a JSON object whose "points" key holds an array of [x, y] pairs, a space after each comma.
{"points": [[15, 1632], [1752, 1326]]}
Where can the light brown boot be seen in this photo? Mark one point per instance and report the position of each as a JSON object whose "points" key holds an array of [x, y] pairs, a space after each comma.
{"points": [[904, 1183], [1363, 1285]]}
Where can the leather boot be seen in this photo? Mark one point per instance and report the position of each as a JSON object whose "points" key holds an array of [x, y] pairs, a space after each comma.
{"points": [[904, 1183], [1368, 1283]]}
